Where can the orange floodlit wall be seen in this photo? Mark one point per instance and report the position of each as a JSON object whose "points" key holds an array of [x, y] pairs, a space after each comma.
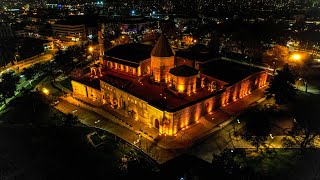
{"points": [[230, 94], [160, 66], [169, 123]]}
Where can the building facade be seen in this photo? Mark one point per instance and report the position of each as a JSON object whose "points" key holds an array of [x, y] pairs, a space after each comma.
{"points": [[163, 91], [69, 30]]}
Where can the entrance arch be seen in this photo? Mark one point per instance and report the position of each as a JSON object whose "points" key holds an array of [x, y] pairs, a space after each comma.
{"points": [[156, 123]]}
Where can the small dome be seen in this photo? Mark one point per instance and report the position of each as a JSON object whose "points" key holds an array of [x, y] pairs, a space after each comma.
{"points": [[184, 71]]}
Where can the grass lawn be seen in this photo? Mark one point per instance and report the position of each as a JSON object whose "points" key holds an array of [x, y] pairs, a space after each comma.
{"points": [[273, 165]]}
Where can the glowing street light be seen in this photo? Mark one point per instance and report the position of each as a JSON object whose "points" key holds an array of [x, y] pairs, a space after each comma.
{"points": [[296, 57], [271, 136], [45, 91], [90, 49]]}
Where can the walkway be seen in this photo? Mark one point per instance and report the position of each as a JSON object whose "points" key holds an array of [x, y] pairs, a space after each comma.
{"points": [[94, 119]]}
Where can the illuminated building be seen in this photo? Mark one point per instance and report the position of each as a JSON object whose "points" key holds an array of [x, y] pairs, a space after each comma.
{"points": [[74, 30], [153, 86]]}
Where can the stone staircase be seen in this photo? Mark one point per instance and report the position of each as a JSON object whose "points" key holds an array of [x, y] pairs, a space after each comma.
{"points": [[205, 122]]}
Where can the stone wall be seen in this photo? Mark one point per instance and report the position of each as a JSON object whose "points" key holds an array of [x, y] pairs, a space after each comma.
{"points": [[161, 67], [168, 122], [145, 67], [86, 91], [184, 84], [192, 113]]}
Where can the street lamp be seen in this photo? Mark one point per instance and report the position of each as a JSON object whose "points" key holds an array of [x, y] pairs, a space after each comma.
{"points": [[91, 49], [296, 57], [45, 91], [305, 82], [274, 67], [271, 136], [235, 133]]}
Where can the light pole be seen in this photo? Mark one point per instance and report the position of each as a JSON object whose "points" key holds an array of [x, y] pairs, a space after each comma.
{"points": [[274, 67], [45, 91], [271, 136], [91, 51], [305, 82], [235, 133]]}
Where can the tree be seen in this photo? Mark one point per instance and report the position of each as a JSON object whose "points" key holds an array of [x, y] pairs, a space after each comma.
{"points": [[8, 85], [303, 133], [306, 125], [282, 86], [257, 128], [226, 163], [29, 74], [63, 57], [215, 43], [277, 56], [71, 120]]}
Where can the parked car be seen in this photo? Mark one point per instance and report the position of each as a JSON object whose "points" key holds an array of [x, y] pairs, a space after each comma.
{"points": [[55, 103]]}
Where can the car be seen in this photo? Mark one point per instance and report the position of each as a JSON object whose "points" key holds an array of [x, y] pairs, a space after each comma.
{"points": [[55, 103]]}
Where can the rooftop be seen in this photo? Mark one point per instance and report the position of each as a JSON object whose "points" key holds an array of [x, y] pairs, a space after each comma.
{"points": [[78, 20], [198, 52], [157, 95], [228, 71], [160, 96], [162, 48], [184, 70], [134, 52]]}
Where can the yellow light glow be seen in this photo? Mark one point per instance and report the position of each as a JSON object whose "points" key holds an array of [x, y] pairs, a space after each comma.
{"points": [[296, 57], [45, 91], [180, 88], [90, 49]]}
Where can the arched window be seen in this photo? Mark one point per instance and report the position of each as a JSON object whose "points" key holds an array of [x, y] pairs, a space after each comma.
{"points": [[156, 123]]}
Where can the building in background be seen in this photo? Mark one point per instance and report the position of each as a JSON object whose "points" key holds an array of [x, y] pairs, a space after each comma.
{"points": [[69, 31], [5, 31]]}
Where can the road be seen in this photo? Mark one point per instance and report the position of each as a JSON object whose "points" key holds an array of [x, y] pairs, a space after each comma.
{"points": [[29, 62]]}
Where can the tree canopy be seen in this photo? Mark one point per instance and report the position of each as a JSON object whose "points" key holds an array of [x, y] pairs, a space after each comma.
{"points": [[257, 128], [8, 85], [282, 86]]}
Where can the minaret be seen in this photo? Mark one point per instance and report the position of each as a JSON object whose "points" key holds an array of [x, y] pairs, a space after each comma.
{"points": [[162, 59], [101, 47]]}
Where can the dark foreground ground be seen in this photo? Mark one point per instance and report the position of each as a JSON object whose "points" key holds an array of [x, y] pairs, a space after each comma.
{"points": [[65, 153]]}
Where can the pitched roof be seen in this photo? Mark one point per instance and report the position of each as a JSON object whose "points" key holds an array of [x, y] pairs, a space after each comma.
{"points": [[229, 72], [183, 70], [132, 52], [162, 48]]}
